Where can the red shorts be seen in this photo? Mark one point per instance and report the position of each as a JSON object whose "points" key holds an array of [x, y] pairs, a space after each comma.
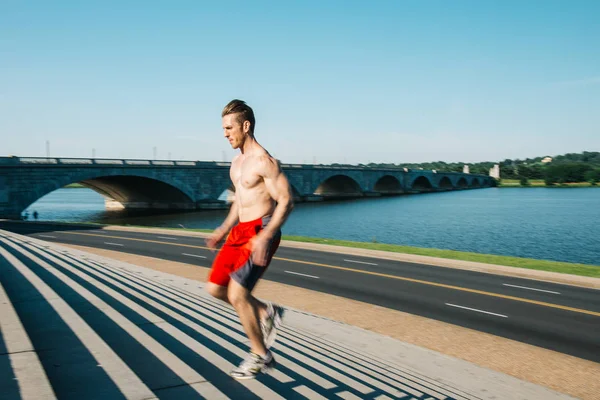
{"points": [[234, 260]]}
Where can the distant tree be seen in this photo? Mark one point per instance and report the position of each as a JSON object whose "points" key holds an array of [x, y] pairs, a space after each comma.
{"points": [[568, 172], [536, 171], [524, 181], [593, 176], [524, 171], [507, 171], [531, 168]]}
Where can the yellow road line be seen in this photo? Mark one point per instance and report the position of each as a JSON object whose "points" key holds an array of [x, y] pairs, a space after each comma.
{"points": [[360, 271]]}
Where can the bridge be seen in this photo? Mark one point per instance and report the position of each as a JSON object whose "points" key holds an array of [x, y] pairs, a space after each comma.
{"points": [[188, 185]]}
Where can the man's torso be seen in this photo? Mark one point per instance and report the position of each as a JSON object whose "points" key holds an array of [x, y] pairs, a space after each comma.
{"points": [[251, 194]]}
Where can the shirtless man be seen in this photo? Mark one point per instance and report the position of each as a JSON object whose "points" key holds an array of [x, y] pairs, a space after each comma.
{"points": [[263, 201]]}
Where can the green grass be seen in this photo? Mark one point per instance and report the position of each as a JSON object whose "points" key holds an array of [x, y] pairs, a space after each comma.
{"points": [[528, 263], [540, 183], [74, 186]]}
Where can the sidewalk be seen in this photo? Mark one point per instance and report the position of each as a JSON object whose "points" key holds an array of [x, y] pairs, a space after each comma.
{"points": [[76, 325]]}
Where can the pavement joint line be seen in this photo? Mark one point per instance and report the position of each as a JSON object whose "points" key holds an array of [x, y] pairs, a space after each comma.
{"points": [[18, 352], [443, 285]]}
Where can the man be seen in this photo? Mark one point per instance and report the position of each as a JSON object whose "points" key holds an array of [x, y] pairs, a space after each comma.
{"points": [[263, 201]]}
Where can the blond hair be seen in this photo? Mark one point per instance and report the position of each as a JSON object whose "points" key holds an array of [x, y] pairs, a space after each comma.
{"points": [[243, 110]]}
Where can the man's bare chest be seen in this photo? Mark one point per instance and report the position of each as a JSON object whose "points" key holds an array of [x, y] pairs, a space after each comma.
{"points": [[244, 175]]}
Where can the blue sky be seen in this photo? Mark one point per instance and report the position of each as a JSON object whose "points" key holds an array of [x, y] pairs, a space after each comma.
{"points": [[331, 81]]}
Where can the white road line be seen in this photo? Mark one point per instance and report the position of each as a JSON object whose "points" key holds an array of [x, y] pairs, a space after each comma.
{"points": [[193, 255], [528, 288], [297, 273], [48, 236], [164, 237], [114, 244], [474, 309], [360, 262]]}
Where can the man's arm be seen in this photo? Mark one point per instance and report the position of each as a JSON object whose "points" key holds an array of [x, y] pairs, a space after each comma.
{"points": [[219, 233], [279, 189], [232, 218]]}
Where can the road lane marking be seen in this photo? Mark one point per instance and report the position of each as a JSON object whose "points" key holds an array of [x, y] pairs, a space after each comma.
{"points": [[164, 237], [48, 236], [114, 244], [474, 309], [528, 288], [360, 262], [298, 273], [193, 255], [400, 278]]}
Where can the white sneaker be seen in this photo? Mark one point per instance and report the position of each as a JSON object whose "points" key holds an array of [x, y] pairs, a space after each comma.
{"points": [[270, 324], [252, 365]]}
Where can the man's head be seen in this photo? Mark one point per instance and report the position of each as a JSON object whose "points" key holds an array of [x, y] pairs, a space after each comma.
{"points": [[238, 122]]}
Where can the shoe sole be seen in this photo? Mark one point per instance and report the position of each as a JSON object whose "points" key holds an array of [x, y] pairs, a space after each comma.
{"points": [[265, 370]]}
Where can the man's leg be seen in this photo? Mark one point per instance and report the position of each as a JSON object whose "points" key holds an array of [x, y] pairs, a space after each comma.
{"points": [[220, 292], [249, 309], [217, 291]]}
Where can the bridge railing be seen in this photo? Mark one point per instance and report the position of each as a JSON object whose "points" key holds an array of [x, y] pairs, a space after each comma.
{"points": [[107, 162], [5, 161]]}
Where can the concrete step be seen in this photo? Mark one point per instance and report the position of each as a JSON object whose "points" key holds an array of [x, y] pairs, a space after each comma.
{"points": [[101, 328]]}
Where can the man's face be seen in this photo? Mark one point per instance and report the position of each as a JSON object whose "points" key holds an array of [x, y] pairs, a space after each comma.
{"points": [[234, 130]]}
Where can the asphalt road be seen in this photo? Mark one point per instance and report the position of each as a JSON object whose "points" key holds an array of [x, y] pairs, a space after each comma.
{"points": [[559, 317]]}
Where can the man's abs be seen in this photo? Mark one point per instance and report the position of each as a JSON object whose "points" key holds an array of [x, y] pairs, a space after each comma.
{"points": [[253, 203]]}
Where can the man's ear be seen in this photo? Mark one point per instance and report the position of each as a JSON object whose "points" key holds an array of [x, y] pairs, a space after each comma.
{"points": [[246, 126]]}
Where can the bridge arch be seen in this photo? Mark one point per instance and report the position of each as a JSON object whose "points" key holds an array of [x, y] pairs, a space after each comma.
{"points": [[445, 183], [131, 190], [339, 186], [421, 183], [388, 184], [475, 182], [462, 183]]}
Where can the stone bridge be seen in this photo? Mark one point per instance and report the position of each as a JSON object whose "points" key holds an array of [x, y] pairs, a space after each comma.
{"points": [[165, 184]]}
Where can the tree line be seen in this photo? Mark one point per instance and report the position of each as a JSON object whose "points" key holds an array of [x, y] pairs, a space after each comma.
{"points": [[566, 168]]}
